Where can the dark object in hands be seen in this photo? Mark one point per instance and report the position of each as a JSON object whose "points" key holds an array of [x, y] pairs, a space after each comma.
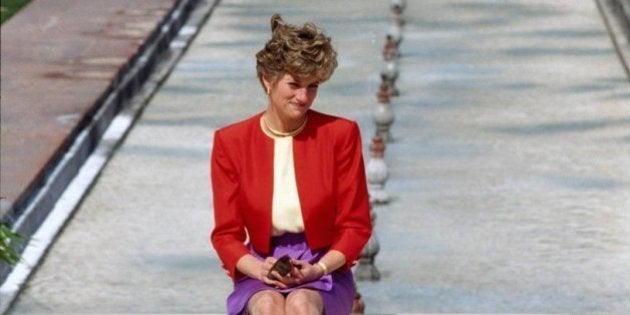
{"points": [[282, 266]]}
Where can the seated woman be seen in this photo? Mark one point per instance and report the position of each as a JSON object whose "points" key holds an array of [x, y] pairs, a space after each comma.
{"points": [[290, 181]]}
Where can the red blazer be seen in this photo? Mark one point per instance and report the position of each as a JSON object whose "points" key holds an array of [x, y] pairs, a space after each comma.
{"points": [[331, 186]]}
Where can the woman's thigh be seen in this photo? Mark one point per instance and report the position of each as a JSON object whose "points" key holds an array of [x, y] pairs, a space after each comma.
{"points": [[305, 301], [266, 302]]}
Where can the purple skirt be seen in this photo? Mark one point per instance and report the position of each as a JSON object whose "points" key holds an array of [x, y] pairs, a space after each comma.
{"points": [[336, 289]]}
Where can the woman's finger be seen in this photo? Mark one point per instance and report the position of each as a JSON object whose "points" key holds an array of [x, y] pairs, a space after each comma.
{"points": [[280, 283], [270, 260], [296, 271]]}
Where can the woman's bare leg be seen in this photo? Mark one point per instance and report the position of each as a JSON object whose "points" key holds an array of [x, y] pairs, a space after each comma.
{"points": [[266, 302], [304, 302]]}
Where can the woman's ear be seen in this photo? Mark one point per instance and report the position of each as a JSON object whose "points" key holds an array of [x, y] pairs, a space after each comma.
{"points": [[266, 83]]}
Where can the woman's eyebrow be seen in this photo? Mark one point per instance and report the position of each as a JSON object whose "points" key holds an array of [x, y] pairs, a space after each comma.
{"points": [[303, 82]]}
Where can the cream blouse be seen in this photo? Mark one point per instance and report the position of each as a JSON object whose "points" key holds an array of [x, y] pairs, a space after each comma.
{"points": [[286, 212]]}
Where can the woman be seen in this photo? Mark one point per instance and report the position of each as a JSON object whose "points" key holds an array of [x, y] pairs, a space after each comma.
{"points": [[290, 181]]}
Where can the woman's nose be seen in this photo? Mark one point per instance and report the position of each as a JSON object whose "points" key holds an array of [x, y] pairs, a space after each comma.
{"points": [[301, 95]]}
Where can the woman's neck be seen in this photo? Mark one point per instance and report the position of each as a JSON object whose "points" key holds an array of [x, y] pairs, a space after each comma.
{"points": [[275, 126], [276, 123]]}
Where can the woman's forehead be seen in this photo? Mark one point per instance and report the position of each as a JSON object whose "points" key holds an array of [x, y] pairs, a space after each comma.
{"points": [[300, 79]]}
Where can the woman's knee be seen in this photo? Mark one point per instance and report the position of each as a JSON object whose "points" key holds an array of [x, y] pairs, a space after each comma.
{"points": [[266, 302], [304, 301]]}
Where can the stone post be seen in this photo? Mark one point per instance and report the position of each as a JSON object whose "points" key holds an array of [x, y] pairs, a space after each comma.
{"points": [[389, 74], [397, 9], [366, 270], [377, 172], [358, 306], [390, 49], [383, 116]]}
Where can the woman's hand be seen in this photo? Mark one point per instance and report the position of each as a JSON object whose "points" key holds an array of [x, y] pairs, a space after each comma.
{"points": [[305, 272], [274, 278], [300, 271]]}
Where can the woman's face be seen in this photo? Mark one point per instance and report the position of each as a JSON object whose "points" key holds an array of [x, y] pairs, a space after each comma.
{"points": [[290, 97]]}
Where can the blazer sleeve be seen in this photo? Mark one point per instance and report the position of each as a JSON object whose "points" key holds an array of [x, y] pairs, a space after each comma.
{"points": [[228, 236], [352, 222]]}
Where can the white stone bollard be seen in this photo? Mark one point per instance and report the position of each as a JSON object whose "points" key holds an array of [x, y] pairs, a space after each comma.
{"points": [[383, 115], [366, 269], [395, 32], [397, 9], [390, 49], [376, 172], [389, 74]]}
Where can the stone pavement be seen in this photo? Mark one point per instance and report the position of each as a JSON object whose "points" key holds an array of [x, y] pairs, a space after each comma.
{"points": [[509, 171], [67, 68]]}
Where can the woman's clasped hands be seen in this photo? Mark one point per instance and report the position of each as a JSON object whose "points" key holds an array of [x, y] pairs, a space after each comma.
{"points": [[287, 272]]}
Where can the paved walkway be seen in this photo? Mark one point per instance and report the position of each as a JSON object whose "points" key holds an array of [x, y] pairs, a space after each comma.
{"points": [[67, 68], [509, 169]]}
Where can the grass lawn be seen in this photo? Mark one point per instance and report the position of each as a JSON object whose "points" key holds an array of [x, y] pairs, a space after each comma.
{"points": [[10, 7]]}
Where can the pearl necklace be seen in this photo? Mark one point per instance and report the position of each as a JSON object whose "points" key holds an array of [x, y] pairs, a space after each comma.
{"points": [[282, 133]]}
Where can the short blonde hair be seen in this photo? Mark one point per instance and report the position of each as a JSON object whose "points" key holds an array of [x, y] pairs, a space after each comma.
{"points": [[303, 51]]}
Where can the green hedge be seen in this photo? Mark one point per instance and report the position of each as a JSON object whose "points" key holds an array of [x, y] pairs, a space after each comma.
{"points": [[10, 7]]}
